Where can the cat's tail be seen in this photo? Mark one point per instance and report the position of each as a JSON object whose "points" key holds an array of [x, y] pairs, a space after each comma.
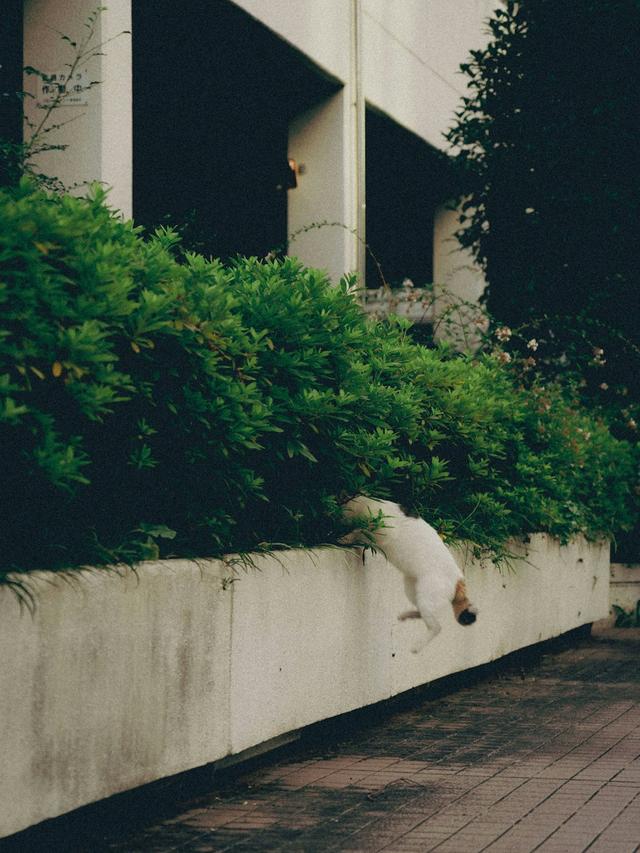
{"points": [[465, 612]]}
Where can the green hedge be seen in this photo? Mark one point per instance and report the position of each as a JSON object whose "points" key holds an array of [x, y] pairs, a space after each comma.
{"points": [[158, 403]]}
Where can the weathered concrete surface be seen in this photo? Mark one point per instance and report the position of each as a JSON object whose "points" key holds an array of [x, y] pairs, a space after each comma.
{"points": [[111, 683], [625, 586], [538, 754], [119, 680]]}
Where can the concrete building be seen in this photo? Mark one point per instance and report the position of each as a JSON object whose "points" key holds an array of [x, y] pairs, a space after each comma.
{"points": [[257, 120]]}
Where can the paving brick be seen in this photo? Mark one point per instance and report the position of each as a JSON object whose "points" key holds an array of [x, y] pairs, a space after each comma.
{"points": [[342, 778], [590, 820], [546, 762], [306, 776]]}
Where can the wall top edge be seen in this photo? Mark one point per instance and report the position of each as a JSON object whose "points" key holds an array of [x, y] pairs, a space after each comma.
{"points": [[232, 564]]}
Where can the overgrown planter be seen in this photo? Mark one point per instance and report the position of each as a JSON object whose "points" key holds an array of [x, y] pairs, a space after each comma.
{"points": [[412, 303], [120, 679], [625, 586]]}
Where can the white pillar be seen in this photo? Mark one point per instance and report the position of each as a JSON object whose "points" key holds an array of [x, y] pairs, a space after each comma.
{"points": [[457, 278], [327, 143], [454, 268], [116, 120], [357, 136], [98, 134], [319, 141]]}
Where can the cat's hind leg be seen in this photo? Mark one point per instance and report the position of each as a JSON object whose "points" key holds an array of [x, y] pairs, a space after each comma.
{"points": [[433, 627], [425, 606], [410, 592]]}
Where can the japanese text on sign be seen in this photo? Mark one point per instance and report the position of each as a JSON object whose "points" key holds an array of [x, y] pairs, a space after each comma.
{"points": [[71, 90]]}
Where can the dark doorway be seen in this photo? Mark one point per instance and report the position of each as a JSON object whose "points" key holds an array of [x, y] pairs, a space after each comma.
{"points": [[10, 82], [213, 94], [406, 181]]}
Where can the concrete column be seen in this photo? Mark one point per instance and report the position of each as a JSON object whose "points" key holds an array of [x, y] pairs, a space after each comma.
{"points": [[357, 136], [97, 133], [116, 138], [457, 278], [454, 268], [320, 140], [327, 142]]}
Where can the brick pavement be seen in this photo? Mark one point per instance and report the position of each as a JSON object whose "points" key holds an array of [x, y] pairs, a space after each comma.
{"points": [[545, 757]]}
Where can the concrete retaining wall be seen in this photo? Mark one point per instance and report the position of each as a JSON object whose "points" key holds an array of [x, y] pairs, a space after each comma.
{"points": [[120, 679], [625, 585]]}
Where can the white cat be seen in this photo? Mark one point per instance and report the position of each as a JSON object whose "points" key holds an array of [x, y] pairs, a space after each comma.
{"points": [[432, 579]]}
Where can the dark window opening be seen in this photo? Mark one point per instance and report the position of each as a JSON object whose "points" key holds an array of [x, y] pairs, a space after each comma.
{"points": [[11, 63], [213, 94], [406, 180]]}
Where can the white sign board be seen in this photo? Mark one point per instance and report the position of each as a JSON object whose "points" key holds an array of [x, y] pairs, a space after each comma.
{"points": [[73, 90]]}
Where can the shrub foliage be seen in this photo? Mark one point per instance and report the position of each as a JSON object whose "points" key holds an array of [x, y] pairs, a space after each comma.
{"points": [[545, 145], [154, 402], [546, 141]]}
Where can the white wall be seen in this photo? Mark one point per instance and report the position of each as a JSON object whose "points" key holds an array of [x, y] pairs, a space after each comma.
{"points": [[320, 143], [410, 54], [625, 586], [453, 267], [117, 680], [412, 50], [318, 28], [458, 280], [411, 58], [113, 678], [98, 135]]}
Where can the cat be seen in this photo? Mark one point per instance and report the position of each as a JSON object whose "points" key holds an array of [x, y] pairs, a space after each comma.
{"points": [[432, 578]]}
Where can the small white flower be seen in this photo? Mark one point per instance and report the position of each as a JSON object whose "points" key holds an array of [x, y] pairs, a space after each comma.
{"points": [[532, 344], [604, 386], [503, 333], [529, 210], [504, 357]]}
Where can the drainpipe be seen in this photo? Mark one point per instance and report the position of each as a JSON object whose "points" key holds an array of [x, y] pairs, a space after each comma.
{"points": [[358, 139]]}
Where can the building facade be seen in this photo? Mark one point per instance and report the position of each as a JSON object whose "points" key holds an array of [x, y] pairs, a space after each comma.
{"points": [[312, 124]]}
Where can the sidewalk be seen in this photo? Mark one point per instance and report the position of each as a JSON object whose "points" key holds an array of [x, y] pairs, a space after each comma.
{"points": [[542, 758]]}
